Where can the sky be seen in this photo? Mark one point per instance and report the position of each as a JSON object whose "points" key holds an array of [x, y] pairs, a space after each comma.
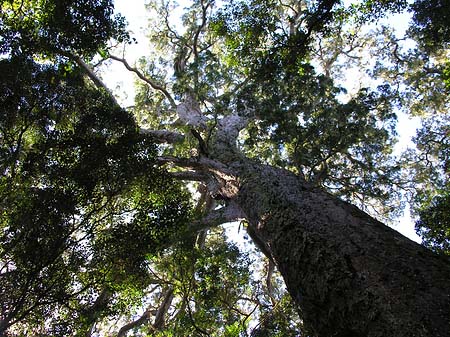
{"points": [[121, 82]]}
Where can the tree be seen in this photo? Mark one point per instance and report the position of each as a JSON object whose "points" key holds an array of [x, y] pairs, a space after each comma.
{"points": [[77, 179], [421, 76], [245, 115]]}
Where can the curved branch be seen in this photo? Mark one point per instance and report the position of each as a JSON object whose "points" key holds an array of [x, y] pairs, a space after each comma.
{"points": [[152, 84], [171, 30], [138, 322], [200, 28], [145, 317], [202, 331]]}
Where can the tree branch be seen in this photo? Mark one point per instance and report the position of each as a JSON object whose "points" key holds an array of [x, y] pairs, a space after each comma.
{"points": [[228, 130], [162, 310], [200, 28], [98, 82], [189, 175], [171, 30], [229, 213], [145, 317], [202, 163], [152, 84], [164, 136], [202, 331], [138, 322], [89, 72], [189, 112]]}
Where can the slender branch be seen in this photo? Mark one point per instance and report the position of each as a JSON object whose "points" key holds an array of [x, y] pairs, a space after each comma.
{"points": [[89, 72], [290, 7], [200, 28], [152, 84], [145, 317], [202, 331], [99, 304], [270, 270], [170, 29]]}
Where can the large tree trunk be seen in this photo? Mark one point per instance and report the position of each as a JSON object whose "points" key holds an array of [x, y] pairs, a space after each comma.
{"points": [[349, 274]]}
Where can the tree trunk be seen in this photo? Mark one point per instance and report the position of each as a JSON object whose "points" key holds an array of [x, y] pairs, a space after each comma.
{"points": [[349, 274]]}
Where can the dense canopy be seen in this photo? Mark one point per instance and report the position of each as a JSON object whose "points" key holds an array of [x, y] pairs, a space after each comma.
{"points": [[274, 115]]}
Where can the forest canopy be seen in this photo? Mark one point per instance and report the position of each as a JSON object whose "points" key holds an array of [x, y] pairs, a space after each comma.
{"points": [[111, 216]]}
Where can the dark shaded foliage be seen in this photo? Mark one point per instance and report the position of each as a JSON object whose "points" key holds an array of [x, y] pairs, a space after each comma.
{"points": [[431, 18], [48, 27], [78, 185], [434, 225]]}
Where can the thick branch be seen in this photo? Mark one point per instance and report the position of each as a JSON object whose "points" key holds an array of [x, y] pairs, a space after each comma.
{"points": [[140, 321], [227, 134], [164, 136], [162, 311], [152, 84], [189, 175], [217, 217], [202, 163], [189, 112]]}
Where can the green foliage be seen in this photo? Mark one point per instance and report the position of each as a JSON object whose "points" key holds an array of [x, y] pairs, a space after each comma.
{"points": [[209, 282], [278, 321], [83, 202], [301, 119], [88, 220], [373, 10], [431, 19], [254, 39], [446, 75], [430, 171], [434, 224], [49, 27], [212, 280], [247, 28], [415, 67], [78, 185]]}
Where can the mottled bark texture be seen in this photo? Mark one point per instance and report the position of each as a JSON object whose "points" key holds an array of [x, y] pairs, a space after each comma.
{"points": [[349, 274]]}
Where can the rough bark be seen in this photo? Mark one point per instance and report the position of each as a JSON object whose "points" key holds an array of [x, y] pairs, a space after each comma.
{"points": [[349, 274]]}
